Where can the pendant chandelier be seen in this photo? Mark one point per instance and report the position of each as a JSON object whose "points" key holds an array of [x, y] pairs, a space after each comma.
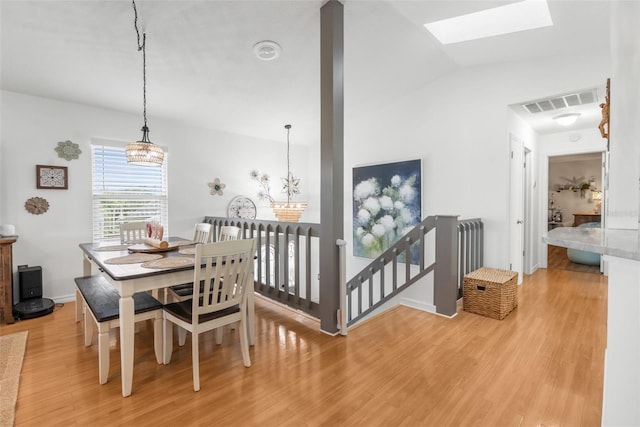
{"points": [[143, 152], [289, 211]]}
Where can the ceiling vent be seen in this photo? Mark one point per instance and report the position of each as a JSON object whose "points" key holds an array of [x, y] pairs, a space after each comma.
{"points": [[563, 101]]}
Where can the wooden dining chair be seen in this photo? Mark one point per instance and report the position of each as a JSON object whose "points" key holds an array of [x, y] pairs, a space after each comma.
{"points": [[225, 276], [228, 232], [133, 232], [202, 232], [184, 291]]}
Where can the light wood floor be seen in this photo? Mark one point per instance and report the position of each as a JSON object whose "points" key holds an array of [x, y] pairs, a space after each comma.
{"points": [[541, 365], [557, 259]]}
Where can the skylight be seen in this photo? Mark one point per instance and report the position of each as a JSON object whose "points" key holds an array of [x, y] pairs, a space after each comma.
{"points": [[520, 16]]}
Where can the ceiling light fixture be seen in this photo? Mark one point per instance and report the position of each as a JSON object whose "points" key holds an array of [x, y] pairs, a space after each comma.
{"points": [[567, 119], [511, 18], [144, 152], [267, 50], [289, 211]]}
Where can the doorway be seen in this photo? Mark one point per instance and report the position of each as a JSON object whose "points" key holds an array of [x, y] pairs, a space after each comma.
{"points": [[574, 198]]}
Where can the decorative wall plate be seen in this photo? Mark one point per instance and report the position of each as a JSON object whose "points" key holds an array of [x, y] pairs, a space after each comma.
{"points": [[51, 177], [68, 150], [36, 205], [216, 187], [241, 207]]}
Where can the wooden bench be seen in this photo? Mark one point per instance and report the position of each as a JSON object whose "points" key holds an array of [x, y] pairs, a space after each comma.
{"points": [[102, 303]]}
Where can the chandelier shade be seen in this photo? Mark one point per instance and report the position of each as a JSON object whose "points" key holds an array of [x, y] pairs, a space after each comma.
{"points": [[288, 211], [144, 154]]}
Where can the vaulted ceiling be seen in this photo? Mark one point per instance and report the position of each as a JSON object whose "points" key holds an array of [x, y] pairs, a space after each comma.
{"points": [[201, 69]]}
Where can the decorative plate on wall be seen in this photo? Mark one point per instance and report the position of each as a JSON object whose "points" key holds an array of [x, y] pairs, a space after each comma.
{"points": [[36, 205], [216, 187], [241, 207], [68, 150]]}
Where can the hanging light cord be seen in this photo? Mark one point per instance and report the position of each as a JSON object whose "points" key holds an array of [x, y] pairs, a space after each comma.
{"points": [[142, 47], [288, 128]]}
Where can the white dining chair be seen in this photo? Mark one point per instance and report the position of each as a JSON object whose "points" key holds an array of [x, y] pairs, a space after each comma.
{"points": [[202, 232], [133, 232], [228, 232], [184, 291], [226, 276]]}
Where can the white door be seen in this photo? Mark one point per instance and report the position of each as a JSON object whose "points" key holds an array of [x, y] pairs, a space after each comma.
{"points": [[516, 206]]}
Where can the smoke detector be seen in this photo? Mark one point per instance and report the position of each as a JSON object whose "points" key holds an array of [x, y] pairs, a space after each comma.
{"points": [[267, 50]]}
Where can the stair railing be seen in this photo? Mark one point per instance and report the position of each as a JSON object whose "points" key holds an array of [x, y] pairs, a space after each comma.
{"points": [[406, 262]]}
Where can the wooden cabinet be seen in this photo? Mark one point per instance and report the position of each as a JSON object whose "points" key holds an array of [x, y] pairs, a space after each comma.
{"points": [[582, 217], [6, 279]]}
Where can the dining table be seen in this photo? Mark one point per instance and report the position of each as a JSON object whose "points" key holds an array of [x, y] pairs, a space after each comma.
{"points": [[129, 273]]}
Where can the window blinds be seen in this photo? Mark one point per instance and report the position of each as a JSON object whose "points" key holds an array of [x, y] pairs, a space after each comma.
{"points": [[123, 192]]}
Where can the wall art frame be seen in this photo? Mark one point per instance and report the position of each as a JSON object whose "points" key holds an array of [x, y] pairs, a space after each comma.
{"points": [[387, 203], [50, 177]]}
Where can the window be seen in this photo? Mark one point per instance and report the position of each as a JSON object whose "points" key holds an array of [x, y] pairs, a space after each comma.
{"points": [[124, 192]]}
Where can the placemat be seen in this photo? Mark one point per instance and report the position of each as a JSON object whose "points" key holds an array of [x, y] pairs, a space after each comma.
{"points": [[132, 259], [169, 262], [187, 251], [113, 248]]}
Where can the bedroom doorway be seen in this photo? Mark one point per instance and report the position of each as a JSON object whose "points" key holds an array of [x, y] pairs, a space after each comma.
{"points": [[575, 193]]}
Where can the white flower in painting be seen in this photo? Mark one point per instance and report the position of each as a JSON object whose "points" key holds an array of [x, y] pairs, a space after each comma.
{"points": [[405, 215], [378, 230], [359, 231], [386, 203], [364, 190], [407, 193], [406, 230], [363, 216], [372, 205], [368, 239], [395, 181], [398, 204], [387, 222]]}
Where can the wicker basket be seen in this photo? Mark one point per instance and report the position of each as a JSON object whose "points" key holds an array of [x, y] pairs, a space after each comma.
{"points": [[490, 292]]}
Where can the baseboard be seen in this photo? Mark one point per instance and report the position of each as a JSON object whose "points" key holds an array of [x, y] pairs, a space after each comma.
{"points": [[534, 269], [418, 305], [64, 298]]}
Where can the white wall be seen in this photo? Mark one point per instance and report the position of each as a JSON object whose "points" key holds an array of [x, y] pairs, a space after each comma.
{"points": [[621, 391], [459, 126], [31, 129]]}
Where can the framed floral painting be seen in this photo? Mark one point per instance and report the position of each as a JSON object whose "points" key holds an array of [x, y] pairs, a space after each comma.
{"points": [[387, 203]]}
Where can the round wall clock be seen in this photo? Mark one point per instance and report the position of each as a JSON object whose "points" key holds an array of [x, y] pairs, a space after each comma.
{"points": [[241, 207], [36, 205]]}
